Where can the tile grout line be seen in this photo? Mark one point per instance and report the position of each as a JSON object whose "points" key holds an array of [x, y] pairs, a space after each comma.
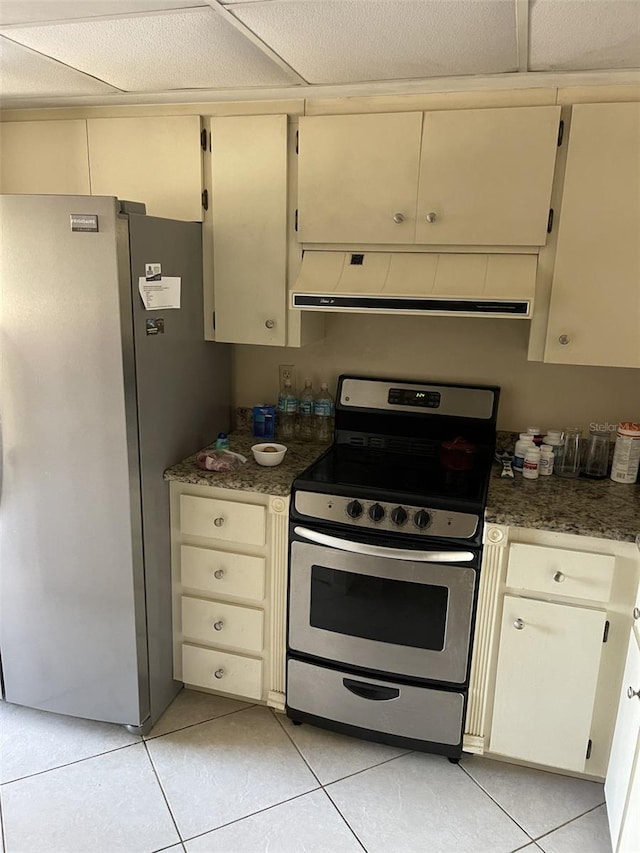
{"points": [[502, 809], [191, 725], [348, 825], [567, 822], [3, 837], [295, 746], [162, 791]]}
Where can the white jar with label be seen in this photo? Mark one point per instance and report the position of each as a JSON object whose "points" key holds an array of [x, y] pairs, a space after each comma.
{"points": [[545, 467], [524, 443], [626, 456], [531, 467]]}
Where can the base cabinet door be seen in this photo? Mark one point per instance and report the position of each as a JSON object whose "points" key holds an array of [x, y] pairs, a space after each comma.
{"points": [[622, 788], [548, 662]]}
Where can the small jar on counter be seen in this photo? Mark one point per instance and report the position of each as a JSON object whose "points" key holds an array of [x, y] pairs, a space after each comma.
{"points": [[545, 466], [626, 456], [531, 467], [524, 443]]}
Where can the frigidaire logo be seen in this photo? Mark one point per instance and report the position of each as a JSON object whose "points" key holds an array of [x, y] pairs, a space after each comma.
{"points": [[325, 301]]}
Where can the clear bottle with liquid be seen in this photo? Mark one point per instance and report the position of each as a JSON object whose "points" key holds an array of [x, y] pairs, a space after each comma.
{"points": [[287, 411], [305, 412], [323, 414]]}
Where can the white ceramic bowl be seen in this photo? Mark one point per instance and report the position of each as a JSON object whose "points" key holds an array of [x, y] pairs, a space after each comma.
{"points": [[268, 458]]}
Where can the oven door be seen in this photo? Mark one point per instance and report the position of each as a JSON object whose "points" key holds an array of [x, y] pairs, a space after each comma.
{"points": [[389, 610]]}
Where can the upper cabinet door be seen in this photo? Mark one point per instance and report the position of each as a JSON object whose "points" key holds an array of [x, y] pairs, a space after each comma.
{"points": [[358, 177], [486, 175], [155, 160], [44, 157], [594, 315], [249, 214]]}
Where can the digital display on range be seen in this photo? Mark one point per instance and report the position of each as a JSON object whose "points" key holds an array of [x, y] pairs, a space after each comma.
{"points": [[409, 397]]}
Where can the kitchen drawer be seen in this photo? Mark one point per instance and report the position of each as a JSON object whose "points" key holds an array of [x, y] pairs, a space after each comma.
{"points": [[574, 574], [218, 572], [222, 671], [229, 520], [240, 627]]}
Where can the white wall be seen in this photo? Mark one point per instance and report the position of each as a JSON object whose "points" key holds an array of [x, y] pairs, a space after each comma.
{"points": [[448, 349]]}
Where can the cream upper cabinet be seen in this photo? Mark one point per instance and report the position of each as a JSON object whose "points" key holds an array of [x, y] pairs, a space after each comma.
{"points": [[358, 178], [594, 314], [486, 175], [155, 160], [249, 228], [44, 157], [548, 662], [455, 177]]}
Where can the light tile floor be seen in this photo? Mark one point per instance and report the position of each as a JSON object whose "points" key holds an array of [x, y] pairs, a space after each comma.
{"points": [[220, 776]]}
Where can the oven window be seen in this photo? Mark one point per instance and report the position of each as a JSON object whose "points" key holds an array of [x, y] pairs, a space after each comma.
{"points": [[388, 611]]}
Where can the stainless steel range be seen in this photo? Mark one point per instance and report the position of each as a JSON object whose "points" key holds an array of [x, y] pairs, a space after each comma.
{"points": [[385, 532]]}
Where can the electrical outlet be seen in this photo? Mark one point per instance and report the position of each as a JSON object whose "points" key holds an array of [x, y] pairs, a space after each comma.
{"points": [[288, 371]]}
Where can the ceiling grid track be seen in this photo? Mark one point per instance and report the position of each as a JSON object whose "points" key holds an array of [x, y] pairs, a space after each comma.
{"points": [[230, 18], [522, 33]]}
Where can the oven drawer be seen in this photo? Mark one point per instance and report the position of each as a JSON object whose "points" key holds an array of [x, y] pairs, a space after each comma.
{"points": [[420, 713], [556, 571], [222, 671], [222, 573], [222, 624], [228, 520]]}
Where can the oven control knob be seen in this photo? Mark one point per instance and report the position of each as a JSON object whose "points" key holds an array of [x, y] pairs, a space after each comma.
{"points": [[354, 509], [376, 512], [422, 519], [399, 516]]}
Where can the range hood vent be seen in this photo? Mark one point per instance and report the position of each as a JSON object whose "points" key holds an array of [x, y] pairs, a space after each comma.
{"points": [[445, 284]]}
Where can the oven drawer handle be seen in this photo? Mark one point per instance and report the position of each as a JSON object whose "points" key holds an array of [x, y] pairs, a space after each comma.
{"points": [[375, 692], [380, 551]]}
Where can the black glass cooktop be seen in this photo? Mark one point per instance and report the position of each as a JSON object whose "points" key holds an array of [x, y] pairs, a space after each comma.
{"points": [[412, 479]]}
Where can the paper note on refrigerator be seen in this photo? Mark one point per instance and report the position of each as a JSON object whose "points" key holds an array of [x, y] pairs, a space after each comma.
{"points": [[164, 293]]}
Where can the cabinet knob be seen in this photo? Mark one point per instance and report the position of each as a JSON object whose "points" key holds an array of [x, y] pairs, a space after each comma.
{"points": [[219, 673], [218, 521], [219, 625], [398, 218], [218, 574], [431, 217], [270, 324], [631, 693], [636, 614], [564, 340], [558, 577], [519, 624]]}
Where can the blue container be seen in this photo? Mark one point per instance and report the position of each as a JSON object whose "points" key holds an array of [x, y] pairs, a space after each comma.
{"points": [[264, 421]]}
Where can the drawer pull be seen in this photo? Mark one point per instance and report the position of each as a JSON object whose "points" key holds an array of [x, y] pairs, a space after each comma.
{"points": [[219, 673], [218, 521], [218, 574], [375, 692], [518, 624], [636, 614], [219, 625], [558, 577], [631, 693]]}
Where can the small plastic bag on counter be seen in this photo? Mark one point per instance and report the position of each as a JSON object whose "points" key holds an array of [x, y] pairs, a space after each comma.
{"points": [[221, 461]]}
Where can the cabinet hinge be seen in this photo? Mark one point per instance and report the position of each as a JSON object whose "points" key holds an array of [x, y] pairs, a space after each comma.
{"points": [[560, 133], [205, 199], [550, 221], [605, 636], [589, 745], [297, 140], [296, 220], [203, 139], [213, 319]]}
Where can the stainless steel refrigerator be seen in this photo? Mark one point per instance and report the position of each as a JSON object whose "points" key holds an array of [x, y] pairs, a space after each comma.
{"points": [[98, 397]]}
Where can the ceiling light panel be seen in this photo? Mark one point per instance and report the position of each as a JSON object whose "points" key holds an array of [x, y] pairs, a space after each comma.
{"points": [[349, 41], [29, 11], [27, 74], [584, 35], [176, 50]]}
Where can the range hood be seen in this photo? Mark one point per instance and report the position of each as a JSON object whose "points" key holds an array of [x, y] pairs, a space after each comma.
{"points": [[441, 284]]}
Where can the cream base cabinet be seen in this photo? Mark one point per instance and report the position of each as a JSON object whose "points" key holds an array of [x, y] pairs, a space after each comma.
{"points": [[455, 177], [156, 160], [594, 313], [229, 559], [44, 157]]}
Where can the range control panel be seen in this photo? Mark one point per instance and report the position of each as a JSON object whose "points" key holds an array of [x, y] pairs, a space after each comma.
{"points": [[389, 517]]}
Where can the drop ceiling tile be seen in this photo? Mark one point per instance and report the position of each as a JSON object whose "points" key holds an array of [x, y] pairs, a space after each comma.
{"points": [[174, 50], [348, 41], [27, 74], [28, 11], [584, 35]]}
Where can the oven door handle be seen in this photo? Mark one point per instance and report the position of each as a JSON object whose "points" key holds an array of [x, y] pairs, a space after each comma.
{"points": [[380, 551]]}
